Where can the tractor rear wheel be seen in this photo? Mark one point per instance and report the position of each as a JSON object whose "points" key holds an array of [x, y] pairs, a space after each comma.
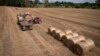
{"points": [[23, 28]]}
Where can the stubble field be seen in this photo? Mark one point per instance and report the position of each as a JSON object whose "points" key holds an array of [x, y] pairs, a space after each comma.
{"points": [[37, 42]]}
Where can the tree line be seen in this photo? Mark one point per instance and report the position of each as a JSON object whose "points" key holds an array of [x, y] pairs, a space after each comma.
{"points": [[18, 3], [75, 5], [37, 3]]}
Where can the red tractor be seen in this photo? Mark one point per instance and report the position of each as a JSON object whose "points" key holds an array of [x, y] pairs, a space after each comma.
{"points": [[36, 20]]}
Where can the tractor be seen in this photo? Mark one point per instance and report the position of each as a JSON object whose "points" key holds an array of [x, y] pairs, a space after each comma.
{"points": [[24, 24], [36, 20]]}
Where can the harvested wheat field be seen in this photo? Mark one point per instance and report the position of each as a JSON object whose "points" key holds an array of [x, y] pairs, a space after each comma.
{"points": [[37, 42]]}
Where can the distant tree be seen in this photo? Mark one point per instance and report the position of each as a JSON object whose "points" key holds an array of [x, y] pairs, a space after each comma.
{"points": [[46, 3], [36, 2], [2, 2], [98, 1], [57, 3]]}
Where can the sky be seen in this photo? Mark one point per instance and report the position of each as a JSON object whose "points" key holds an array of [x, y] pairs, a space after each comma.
{"points": [[75, 1]]}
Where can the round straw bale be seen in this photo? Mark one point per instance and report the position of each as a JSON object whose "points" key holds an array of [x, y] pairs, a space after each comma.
{"points": [[84, 46], [71, 42], [57, 31], [68, 31], [66, 37], [51, 29], [54, 33], [60, 35], [75, 34]]}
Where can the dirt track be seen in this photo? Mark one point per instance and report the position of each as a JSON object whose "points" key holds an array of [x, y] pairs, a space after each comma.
{"points": [[14, 42]]}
